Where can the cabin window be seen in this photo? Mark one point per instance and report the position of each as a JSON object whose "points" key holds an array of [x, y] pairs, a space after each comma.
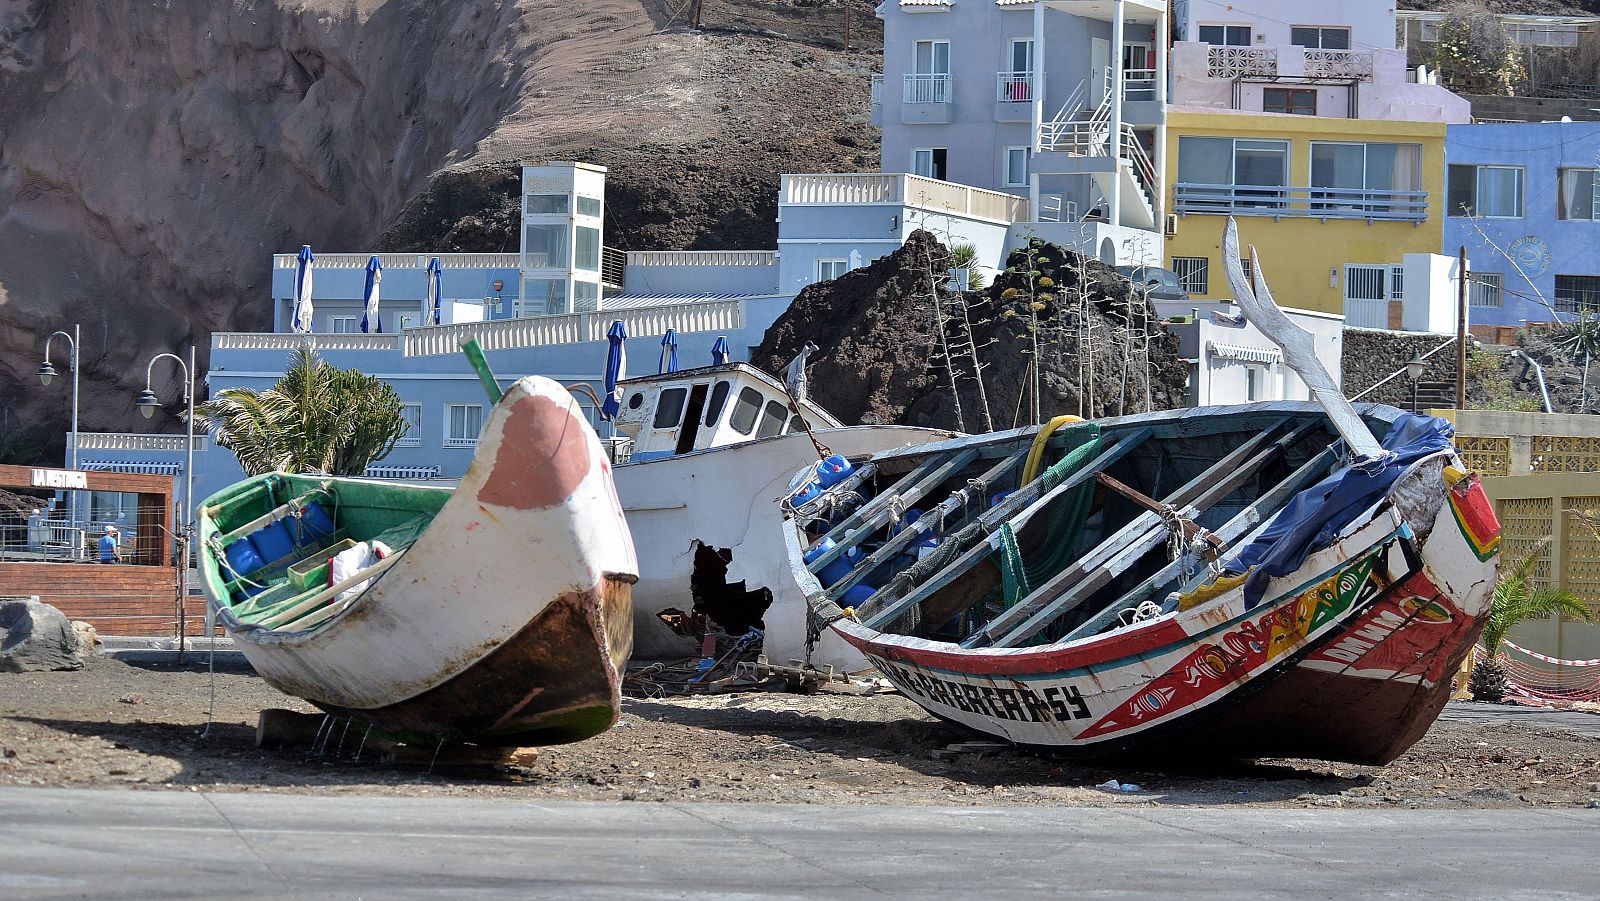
{"points": [[719, 399], [545, 204], [588, 206], [745, 411], [773, 419], [669, 408], [797, 424], [635, 401]]}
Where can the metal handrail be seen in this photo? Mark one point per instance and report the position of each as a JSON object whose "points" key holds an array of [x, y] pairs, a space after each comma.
{"points": [[1301, 202], [1016, 87]]}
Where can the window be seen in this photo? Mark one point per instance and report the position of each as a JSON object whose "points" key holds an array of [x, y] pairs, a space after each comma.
{"points": [[1192, 274], [1355, 175], [929, 162], [773, 419], [585, 297], [932, 58], [1320, 38], [1226, 173], [1017, 166], [719, 399], [827, 270], [1577, 292], [1494, 192], [463, 422], [588, 206], [412, 414], [1397, 283], [797, 423], [1488, 289], [345, 325], [930, 78], [1225, 35], [538, 204], [745, 410], [1021, 57], [541, 296], [1575, 199], [1297, 102], [588, 249], [545, 247], [669, 408]]}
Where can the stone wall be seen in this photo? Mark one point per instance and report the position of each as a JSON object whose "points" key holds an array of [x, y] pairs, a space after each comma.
{"points": [[1370, 355]]}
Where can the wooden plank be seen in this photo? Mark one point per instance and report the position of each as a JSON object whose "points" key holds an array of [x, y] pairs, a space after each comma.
{"points": [[1025, 500], [875, 514]]}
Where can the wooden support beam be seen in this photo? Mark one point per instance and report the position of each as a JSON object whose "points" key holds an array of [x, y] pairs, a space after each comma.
{"points": [[916, 530], [1143, 534], [878, 512], [1022, 504], [1258, 513]]}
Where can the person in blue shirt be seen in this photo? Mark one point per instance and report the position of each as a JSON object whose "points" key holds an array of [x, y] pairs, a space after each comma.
{"points": [[108, 546]]}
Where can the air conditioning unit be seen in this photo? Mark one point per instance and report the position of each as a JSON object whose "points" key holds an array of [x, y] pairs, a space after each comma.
{"points": [[1171, 225]]}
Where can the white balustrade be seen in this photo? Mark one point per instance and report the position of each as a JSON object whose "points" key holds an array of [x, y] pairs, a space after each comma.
{"points": [[571, 328], [292, 341], [910, 190], [1242, 62], [402, 260], [702, 258], [1338, 64], [137, 441]]}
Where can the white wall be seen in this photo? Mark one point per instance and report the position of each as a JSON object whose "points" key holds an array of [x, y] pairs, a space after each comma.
{"points": [[1217, 379], [1431, 302], [1371, 22]]}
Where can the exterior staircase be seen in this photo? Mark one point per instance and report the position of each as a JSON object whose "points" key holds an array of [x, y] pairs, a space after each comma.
{"points": [[1078, 131]]}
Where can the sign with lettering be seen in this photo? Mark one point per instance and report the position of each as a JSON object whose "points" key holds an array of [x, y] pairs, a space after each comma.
{"points": [[60, 478]]}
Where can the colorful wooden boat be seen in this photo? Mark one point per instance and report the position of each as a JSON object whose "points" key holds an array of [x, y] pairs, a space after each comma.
{"points": [[1261, 580], [502, 614]]}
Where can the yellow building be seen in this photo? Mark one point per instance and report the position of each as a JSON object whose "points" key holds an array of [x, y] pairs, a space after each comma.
{"points": [[1332, 205]]}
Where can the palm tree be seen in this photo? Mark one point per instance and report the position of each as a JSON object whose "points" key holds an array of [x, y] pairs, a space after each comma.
{"points": [[1516, 599], [317, 418]]}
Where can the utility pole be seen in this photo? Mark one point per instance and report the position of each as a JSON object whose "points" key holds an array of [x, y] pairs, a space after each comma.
{"points": [[697, 4], [847, 26], [1461, 329]]}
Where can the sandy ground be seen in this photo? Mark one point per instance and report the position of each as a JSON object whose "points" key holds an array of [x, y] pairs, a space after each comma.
{"points": [[120, 725]]}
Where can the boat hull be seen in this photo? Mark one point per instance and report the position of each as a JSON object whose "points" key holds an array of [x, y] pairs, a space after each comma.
{"points": [[508, 621], [726, 498], [1349, 658]]}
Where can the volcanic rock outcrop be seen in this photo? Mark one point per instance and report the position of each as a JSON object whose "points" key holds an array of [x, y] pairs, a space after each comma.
{"points": [[892, 335]]}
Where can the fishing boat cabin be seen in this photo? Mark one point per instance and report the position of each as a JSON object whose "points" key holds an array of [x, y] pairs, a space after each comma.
{"points": [[713, 406]]}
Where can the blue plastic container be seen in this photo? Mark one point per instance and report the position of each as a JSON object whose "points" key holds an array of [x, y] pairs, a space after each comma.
{"points": [[857, 595], [274, 542], [808, 493], [833, 470], [315, 524], [243, 558]]}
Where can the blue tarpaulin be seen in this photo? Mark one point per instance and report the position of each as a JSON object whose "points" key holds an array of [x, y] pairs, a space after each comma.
{"points": [[1309, 522]]}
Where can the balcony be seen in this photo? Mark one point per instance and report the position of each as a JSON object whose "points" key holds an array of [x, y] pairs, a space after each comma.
{"points": [[925, 98], [1013, 95], [292, 341], [1288, 62], [877, 99], [136, 441], [572, 328], [900, 189], [1281, 202], [401, 260]]}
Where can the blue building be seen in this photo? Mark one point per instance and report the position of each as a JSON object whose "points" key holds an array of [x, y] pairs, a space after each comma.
{"points": [[1521, 197]]}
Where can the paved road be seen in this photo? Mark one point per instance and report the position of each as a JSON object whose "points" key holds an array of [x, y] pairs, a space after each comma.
{"points": [[1581, 722], [75, 843]]}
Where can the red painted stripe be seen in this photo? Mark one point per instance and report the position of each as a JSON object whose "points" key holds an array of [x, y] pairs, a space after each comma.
{"points": [[1147, 640]]}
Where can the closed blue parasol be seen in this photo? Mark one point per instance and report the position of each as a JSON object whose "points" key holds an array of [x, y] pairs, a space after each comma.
{"points": [[669, 351], [616, 369], [301, 321], [370, 322], [435, 291], [720, 351]]}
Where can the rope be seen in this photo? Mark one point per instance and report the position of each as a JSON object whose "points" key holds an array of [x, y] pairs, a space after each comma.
{"points": [[1013, 572]]}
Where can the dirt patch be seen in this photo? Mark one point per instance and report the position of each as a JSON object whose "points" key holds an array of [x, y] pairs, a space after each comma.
{"points": [[116, 725]]}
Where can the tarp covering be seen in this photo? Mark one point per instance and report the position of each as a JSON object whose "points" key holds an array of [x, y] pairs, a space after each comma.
{"points": [[1309, 522]]}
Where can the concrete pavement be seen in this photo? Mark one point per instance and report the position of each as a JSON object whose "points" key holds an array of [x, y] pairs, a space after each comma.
{"points": [[126, 844], [1580, 722]]}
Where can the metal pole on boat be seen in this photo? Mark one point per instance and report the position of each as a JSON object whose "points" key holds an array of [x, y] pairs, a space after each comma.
{"points": [[1461, 330]]}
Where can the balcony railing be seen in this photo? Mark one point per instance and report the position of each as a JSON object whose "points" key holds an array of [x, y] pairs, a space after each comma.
{"points": [[1269, 63], [1016, 87], [291, 341], [1242, 62], [401, 260], [1302, 202], [927, 89], [910, 190], [571, 328], [1342, 64], [1138, 84], [137, 441], [702, 258], [877, 89]]}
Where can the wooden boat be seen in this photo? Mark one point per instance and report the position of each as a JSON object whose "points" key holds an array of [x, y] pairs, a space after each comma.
{"points": [[1260, 580], [501, 616]]}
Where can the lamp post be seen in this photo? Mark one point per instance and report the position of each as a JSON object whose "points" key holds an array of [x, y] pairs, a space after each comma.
{"points": [[1414, 367], [148, 403], [47, 374]]}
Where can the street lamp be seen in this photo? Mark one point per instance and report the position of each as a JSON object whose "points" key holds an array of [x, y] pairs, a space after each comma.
{"points": [[1414, 367], [147, 403], [47, 374]]}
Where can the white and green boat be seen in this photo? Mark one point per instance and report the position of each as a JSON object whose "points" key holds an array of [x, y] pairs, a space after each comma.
{"points": [[497, 612]]}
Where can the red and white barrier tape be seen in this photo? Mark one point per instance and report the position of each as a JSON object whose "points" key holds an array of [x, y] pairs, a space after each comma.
{"points": [[1556, 660]]}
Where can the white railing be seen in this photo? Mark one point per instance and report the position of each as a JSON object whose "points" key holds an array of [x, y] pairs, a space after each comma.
{"points": [[1242, 62], [401, 260], [1015, 87], [571, 328], [1138, 84], [927, 89], [1301, 202], [910, 190], [292, 341], [877, 89], [702, 258], [407, 473], [136, 441], [1338, 64]]}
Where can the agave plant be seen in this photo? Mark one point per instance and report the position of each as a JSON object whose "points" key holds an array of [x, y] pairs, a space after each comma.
{"points": [[1516, 599], [317, 418]]}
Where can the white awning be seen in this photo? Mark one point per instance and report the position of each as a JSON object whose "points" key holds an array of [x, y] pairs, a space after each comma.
{"points": [[404, 473], [1245, 354], [642, 301], [131, 466]]}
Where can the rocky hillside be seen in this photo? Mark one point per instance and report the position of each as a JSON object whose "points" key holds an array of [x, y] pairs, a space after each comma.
{"points": [[154, 155]]}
